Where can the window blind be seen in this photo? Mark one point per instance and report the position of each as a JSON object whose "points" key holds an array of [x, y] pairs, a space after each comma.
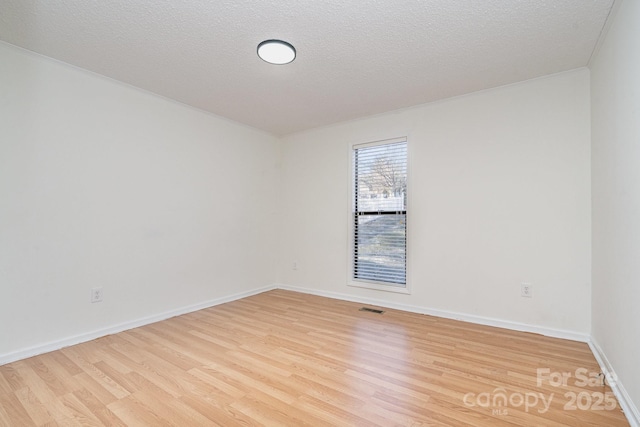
{"points": [[380, 212]]}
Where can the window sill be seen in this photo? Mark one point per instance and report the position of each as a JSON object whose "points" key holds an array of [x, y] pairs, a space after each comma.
{"points": [[378, 286]]}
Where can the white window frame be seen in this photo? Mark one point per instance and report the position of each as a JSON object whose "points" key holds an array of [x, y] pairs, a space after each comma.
{"points": [[369, 284]]}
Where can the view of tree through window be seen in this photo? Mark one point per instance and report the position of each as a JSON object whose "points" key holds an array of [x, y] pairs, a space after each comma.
{"points": [[380, 212]]}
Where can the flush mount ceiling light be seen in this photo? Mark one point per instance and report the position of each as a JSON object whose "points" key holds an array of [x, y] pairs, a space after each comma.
{"points": [[276, 52]]}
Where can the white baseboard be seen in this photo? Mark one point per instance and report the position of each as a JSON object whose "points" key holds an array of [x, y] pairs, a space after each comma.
{"points": [[481, 320], [88, 336], [629, 408]]}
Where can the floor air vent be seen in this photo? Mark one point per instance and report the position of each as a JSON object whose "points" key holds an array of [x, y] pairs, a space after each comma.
{"points": [[371, 310]]}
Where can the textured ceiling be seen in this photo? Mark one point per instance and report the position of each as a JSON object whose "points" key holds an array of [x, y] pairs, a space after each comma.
{"points": [[355, 58]]}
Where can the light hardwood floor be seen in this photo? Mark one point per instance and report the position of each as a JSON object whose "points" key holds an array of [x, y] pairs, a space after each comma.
{"points": [[285, 358]]}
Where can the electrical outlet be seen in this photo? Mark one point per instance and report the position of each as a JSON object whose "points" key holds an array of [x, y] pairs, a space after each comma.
{"points": [[294, 265], [526, 290], [96, 294]]}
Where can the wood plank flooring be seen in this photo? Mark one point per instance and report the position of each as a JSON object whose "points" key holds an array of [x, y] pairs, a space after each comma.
{"points": [[288, 359]]}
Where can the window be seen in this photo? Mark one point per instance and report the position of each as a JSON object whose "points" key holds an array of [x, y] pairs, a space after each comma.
{"points": [[379, 215]]}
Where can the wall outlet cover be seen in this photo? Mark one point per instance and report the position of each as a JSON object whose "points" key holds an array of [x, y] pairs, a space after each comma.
{"points": [[96, 294], [526, 290]]}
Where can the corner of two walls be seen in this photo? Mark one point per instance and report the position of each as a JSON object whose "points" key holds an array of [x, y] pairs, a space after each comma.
{"points": [[111, 187]]}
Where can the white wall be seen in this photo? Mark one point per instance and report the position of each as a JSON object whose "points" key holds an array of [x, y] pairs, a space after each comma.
{"points": [[499, 194], [615, 87], [166, 207], [104, 185]]}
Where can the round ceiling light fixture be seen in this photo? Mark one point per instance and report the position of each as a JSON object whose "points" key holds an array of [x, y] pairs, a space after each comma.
{"points": [[276, 52]]}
